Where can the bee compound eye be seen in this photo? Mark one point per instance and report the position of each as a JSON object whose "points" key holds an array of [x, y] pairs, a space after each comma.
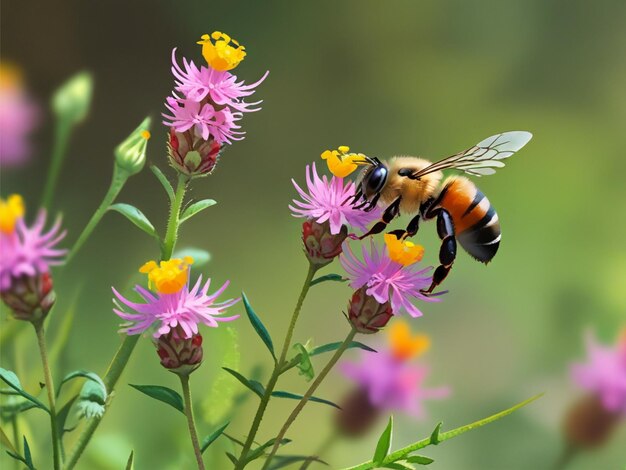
{"points": [[377, 179]]}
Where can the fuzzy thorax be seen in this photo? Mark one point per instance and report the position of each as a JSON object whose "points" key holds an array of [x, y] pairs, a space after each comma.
{"points": [[413, 192]]}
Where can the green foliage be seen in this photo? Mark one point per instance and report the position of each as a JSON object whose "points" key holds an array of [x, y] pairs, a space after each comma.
{"points": [[200, 257], [419, 460], [196, 207], [253, 385], [212, 437], [296, 396], [384, 443], [164, 182], [305, 366], [258, 452], [328, 277], [164, 394], [296, 360], [281, 461], [435, 437], [6, 442], [130, 464], [26, 459], [12, 381], [86, 375], [136, 217], [258, 326]]}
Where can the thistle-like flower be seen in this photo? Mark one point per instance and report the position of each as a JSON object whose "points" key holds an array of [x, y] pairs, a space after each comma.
{"points": [[175, 306], [26, 255], [388, 380]]}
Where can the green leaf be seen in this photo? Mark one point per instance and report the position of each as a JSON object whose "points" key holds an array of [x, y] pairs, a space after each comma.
{"points": [[130, 464], [419, 459], [258, 452], [434, 437], [63, 414], [12, 381], [62, 334], [253, 385], [295, 396], [334, 346], [26, 459], [258, 326], [398, 466], [212, 437], [304, 365], [86, 375], [232, 458], [164, 394], [164, 181], [384, 443], [328, 277], [135, 216], [281, 461], [6, 442], [200, 257], [196, 207]]}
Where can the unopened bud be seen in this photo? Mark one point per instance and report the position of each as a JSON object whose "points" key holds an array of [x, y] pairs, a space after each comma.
{"points": [[72, 100], [179, 354], [588, 423], [30, 297], [366, 314], [131, 154], [320, 246], [357, 414], [190, 154]]}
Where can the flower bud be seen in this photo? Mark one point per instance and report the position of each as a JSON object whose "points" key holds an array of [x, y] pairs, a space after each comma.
{"points": [[30, 297], [179, 354], [357, 414], [366, 314], [72, 100], [131, 154], [190, 154], [320, 246], [588, 423]]}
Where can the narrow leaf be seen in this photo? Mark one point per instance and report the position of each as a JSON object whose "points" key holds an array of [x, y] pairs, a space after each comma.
{"points": [[258, 452], [86, 375], [419, 459], [334, 346], [196, 207], [258, 326], [164, 394], [328, 277], [295, 396], [164, 181], [434, 437], [12, 381], [130, 464], [384, 443], [281, 461], [232, 458], [398, 466], [6, 442], [253, 385], [200, 257], [62, 415], [28, 459], [304, 365], [135, 216], [212, 437]]}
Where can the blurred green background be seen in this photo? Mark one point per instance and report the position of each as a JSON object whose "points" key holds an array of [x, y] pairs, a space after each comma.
{"points": [[425, 78]]}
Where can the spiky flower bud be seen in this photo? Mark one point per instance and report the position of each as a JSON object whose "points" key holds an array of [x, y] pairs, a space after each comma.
{"points": [[190, 154], [72, 100], [588, 423], [357, 415], [366, 314], [130, 155], [320, 245], [179, 354], [30, 297]]}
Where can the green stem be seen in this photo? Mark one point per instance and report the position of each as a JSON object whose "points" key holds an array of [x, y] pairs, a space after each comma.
{"points": [[278, 367], [122, 356], [120, 176], [184, 381], [309, 393], [444, 436], [16, 438], [61, 138], [171, 235], [569, 452], [41, 341]]}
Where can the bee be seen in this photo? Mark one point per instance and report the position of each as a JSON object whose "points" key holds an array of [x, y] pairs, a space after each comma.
{"points": [[413, 186]]}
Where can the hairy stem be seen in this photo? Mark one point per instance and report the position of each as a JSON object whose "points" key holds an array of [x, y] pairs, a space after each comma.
{"points": [[61, 138], [184, 381], [309, 393], [41, 341], [171, 235], [278, 367]]}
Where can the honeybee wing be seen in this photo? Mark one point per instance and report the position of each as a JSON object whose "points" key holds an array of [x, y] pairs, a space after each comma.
{"points": [[484, 157]]}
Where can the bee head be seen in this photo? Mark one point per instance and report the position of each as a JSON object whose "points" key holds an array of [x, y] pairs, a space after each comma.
{"points": [[374, 179]]}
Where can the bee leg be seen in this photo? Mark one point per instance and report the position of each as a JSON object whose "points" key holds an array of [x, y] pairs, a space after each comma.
{"points": [[410, 231], [390, 213], [447, 252]]}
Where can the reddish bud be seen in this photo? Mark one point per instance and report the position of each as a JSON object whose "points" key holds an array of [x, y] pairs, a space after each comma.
{"points": [[366, 314], [30, 297], [179, 354], [588, 423], [190, 154], [320, 246], [357, 414]]}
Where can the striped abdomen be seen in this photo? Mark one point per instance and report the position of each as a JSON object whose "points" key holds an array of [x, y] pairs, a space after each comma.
{"points": [[476, 224]]}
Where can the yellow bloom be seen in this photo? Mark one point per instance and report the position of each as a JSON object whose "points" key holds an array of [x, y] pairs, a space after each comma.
{"points": [[221, 51], [404, 345], [403, 251], [10, 76], [340, 162], [11, 211], [168, 277]]}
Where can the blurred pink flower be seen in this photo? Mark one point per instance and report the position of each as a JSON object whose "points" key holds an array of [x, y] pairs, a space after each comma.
{"points": [[393, 381], [185, 308], [18, 117], [385, 279], [329, 200], [604, 373], [196, 83]]}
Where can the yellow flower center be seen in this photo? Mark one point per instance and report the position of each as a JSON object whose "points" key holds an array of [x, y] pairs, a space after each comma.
{"points": [[11, 211], [340, 162], [405, 346], [403, 251], [168, 277], [221, 51], [146, 134], [10, 76]]}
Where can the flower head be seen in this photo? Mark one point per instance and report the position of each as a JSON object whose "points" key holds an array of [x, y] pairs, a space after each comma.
{"points": [[178, 353], [170, 309], [221, 51], [604, 373], [385, 279], [340, 162], [329, 200], [392, 381]]}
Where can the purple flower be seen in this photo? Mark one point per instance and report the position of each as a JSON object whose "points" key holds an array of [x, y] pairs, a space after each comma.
{"points": [[222, 87], [329, 200], [387, 280], [185, 308], [392, 381], [604, 373], [29, 251]]}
